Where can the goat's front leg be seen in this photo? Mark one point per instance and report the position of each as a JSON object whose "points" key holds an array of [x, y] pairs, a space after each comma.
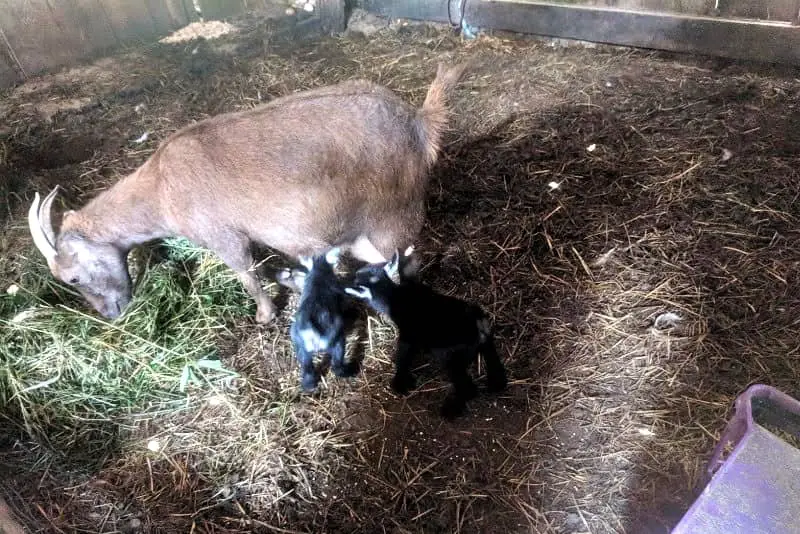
{"points": [[235, 252], [403, 380], [265, 309]]}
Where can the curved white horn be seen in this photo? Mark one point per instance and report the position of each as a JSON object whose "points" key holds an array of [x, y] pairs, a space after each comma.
{"points": [[45, 211], [40, 239]]}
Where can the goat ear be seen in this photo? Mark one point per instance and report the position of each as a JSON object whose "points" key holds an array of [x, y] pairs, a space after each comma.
{"points": [[291, 278], [306, 262], [298, 277], [284, 277], [411, 267], [332, 256], [391, 267], [359, 292]]}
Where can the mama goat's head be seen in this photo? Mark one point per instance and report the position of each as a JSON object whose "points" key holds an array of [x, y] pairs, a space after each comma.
{"points": [[98, 270]]}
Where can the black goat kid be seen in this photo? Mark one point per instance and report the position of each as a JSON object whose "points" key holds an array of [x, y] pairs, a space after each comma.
{"points": [[452, 330], [319, 324]]}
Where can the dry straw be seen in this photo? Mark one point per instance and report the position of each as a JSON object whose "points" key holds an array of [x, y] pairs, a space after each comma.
{"points": [[628, 219]]}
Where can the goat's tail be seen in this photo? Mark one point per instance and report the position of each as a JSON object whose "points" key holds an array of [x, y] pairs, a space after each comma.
{"points": [[432, 117]]}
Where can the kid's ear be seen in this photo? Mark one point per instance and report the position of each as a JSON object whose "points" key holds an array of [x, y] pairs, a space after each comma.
{"points": [[359, 292], [391, 267], [332, 256]]}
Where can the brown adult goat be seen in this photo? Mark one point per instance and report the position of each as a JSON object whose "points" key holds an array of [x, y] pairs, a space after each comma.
{"points": [[343, 165]]}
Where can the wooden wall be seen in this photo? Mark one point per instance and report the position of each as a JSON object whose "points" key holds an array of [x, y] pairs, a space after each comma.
{"points": [[41, 35], [774, 10], [687, 7], [737, 29]]}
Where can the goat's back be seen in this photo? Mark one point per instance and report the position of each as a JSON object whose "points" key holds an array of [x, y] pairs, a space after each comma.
{"points": [[433, 320], [299, 173]]}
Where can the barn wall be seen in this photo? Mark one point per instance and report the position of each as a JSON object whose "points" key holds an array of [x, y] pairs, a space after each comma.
{"points": [[722, 34], [776, 10], [42, 35], [687, 7]]}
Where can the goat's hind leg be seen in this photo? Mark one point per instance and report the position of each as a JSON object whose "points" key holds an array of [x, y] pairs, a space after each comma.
{"points": [[496, 379], [308, 374], [265, 309], [403, 380], [464, 389], [339, 367]]}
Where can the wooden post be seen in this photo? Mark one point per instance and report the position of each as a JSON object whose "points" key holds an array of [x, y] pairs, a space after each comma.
{"points": [[332, 16], [11, 69]]}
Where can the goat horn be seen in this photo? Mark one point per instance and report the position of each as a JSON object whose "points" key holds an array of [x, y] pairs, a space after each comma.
{"points": [[45, 211], [40, 239]]}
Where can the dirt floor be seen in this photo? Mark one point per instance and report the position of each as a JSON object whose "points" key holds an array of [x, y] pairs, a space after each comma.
{"points": [[628, 219]]}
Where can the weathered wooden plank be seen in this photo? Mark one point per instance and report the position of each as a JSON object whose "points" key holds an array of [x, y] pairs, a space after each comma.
{"points": [[740, 39], [751, 40], [35, 37], [431, 10], [47, 34], [777, 10], [332, 16], [9, 73], [131, 20], [220, 9], [181, 11], [684, 7], [85, 19], [167, 16]]}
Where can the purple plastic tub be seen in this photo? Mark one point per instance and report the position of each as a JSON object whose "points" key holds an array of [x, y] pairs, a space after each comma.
{"points": [[756, 489]]}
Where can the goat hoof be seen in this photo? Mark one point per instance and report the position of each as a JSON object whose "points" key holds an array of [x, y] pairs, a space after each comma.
{"points": [[452, 408], [403, 384], [309, 383], [265, 315], [346, 371], [497, 385]]}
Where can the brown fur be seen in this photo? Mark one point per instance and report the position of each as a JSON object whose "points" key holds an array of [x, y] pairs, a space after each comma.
{"points": [[8, 523], [434, 113], [300, 174]]}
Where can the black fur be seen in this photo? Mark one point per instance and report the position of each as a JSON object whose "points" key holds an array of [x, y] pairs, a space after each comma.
{"points": [[450, 329], [320, 314]]}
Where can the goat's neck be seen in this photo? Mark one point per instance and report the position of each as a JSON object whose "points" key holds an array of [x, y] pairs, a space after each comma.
{"points": [[126, 215], [393, 303]]}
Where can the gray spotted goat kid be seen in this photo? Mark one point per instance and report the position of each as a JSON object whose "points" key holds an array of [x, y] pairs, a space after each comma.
{"points": [[319, 324], [450, 329]]}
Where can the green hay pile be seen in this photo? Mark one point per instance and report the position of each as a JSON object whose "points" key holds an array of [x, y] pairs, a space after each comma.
{"points": [[69, 377]]}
